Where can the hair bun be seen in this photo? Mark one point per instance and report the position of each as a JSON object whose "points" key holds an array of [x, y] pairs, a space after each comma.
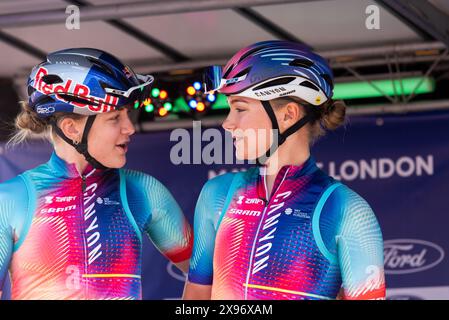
{"points": [[334, 115]]}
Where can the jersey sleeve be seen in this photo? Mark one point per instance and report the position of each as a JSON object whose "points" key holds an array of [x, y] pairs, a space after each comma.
{"points": [[158, 215], [359, 248], [6, 238], [13, 210], [207, 213]]}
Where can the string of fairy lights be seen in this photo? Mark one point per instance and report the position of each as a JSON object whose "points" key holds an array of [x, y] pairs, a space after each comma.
{"points": [[175, 97], [180, 100]]}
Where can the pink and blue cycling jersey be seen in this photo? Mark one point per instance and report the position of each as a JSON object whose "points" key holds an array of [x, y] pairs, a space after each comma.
{"points": [[310, 238], [69, 236]]}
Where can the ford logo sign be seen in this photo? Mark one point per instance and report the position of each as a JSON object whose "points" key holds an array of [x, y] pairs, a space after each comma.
{"points": [[404, 256]]}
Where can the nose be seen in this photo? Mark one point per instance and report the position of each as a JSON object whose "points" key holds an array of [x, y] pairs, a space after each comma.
{"points": [[128, 126], [229, 124]]}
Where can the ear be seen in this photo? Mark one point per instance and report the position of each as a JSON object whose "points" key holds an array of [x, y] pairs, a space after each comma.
{"points": [[72, 129], [292, 112]]}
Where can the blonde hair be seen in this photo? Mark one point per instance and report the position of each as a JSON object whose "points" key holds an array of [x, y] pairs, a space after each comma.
{"points": [[29, 125], [331, 115]]}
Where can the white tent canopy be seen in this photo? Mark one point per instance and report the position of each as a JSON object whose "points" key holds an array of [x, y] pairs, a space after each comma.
{"points": [[174, 34], [324, 25]]}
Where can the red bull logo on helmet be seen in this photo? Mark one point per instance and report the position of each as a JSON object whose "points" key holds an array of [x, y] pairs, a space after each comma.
{"points": [[97, 104]]}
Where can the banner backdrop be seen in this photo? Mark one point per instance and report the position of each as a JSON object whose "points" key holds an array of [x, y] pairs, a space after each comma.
{"points": [[398, 163]]}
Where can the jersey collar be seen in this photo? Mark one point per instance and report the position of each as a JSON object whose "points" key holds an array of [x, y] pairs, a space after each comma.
{"points": [[294, 171], [68, 170], [287, 172]]}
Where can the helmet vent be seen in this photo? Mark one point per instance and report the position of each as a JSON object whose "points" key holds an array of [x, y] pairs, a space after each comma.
{"points": [[228, 71], [243, 72], [30, 90], [51, 79], [328, 79], [276, 82], [251, 52], [310, 85], [104, 85], [246, 55], [305, 63], [101, 65], [76, 99]]}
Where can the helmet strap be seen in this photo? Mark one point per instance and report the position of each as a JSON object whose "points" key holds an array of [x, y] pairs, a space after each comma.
{"points": [[312, 114], [81, 147]]}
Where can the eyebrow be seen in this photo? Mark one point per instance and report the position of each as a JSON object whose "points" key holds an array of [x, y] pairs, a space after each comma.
{"points": [[114, 113], [235, 100]]}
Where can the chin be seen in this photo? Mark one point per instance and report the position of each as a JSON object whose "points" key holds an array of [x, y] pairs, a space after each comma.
{"points": [[245, 157], [121, 164], [240, 158], [240, 155], [115, 164]]}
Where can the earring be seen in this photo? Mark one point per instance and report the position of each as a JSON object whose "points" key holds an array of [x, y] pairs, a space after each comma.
{"points": [[77, 141]]}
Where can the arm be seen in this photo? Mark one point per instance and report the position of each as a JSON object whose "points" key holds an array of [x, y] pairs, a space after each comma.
{"points": [[207, 212], [6, 245], [9, 211], [194, 291], [360, 249], [158, 215]]}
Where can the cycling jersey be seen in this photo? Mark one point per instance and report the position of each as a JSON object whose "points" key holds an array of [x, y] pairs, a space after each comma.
{"points": [[309, 238], [69, 236]]}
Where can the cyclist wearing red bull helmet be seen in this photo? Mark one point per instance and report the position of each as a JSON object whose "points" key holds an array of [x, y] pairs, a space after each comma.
{"points": [[283, 229], [72, 227]]}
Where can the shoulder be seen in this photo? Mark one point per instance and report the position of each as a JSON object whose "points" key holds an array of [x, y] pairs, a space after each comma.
{"points": [[343, 206], [14, 201], [142, 184], [213, 196], [14, 188], [144, 191], [356, 213], [222, 183], [348, 199], [138, 178], [219, 184]]}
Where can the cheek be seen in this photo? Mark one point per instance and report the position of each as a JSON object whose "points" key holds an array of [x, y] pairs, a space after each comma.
{"points": [[254, 120], [258, 128], [104, 139], [257, 136]]}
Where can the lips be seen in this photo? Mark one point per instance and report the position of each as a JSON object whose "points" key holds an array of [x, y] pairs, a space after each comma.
{"points": [[237, 139], [123, 146]]}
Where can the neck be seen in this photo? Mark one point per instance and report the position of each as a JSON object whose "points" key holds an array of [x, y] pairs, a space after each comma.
{"points": [[71, 156], [294, 151]]}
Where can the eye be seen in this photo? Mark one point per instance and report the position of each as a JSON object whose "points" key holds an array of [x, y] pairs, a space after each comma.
{"points": [[240, 110], [115, 118]]}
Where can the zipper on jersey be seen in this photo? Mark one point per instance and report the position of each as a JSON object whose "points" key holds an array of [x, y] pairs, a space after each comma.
{"points": [[83, 190], [86, 264], [83, 183], [267, 202]]}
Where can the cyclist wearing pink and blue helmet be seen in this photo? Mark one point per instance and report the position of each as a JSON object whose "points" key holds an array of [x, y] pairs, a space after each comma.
{"points": [[72, 227], [283, 229]]}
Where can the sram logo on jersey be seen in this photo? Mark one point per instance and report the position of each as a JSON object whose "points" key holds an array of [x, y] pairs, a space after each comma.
{"points": [[241, 212], [58, 209], [80, 90]]}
